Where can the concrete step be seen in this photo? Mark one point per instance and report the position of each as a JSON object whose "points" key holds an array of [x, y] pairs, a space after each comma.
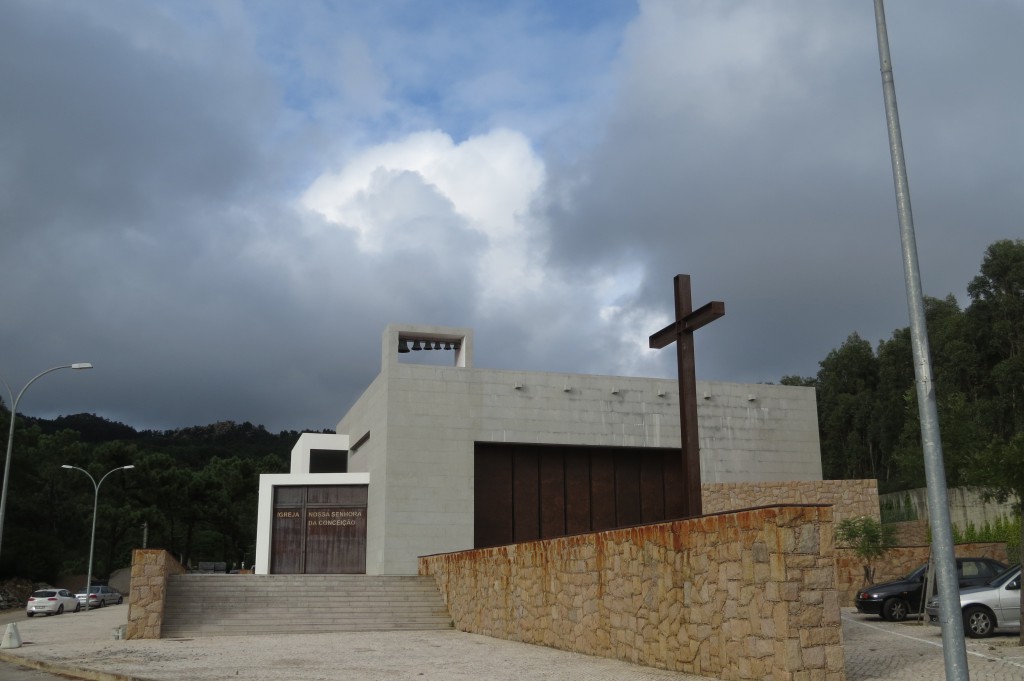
{"points": [[231, 605]]}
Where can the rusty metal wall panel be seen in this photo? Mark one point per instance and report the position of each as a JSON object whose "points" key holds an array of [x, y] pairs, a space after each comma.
{"points": [[627, 489], [652, 489], [552, 495], [335, 540], [675, 491], [525, 494], [526, 491], [289, 495], [492, 496], [602, 490], [287, 536], [311, 536], [577, 492], [338, 495]]}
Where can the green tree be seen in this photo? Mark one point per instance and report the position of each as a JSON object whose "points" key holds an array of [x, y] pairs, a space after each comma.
{"points": [[869, 538], [846, 394], [996, 319]]}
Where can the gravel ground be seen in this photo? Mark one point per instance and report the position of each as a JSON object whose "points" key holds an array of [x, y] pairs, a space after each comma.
{"points": [[83, 643]]}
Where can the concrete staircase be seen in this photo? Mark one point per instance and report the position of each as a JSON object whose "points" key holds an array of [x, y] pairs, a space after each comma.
{"points": [[240, 605]]}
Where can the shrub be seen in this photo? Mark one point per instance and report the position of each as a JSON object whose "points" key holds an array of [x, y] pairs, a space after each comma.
{"points": [[869, 538]]}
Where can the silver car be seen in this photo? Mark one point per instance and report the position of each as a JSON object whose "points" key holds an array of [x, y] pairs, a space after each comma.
{"points": [[100, 596], [987, 608]]}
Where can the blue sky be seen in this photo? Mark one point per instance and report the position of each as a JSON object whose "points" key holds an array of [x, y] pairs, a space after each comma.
{"points": [[222, 204]]}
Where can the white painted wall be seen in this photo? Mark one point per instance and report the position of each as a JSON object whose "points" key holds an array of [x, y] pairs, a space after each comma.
{"points": [[309, 441]]}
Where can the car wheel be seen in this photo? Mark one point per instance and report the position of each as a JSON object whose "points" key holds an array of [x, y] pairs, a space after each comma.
{"points": [[60, 609], [78, 607], [895, 610], [120, 600], [978, 622], [29, 614], [100, 603]]}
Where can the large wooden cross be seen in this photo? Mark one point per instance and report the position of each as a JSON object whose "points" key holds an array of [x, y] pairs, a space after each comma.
{"points": [[680, 332]]}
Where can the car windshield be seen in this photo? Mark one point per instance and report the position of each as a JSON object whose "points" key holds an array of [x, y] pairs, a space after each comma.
{"points": [[1004, 576], [916, 572], [43, 594]]}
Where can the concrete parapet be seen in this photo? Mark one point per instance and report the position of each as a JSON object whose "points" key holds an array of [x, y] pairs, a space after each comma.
{"points": [[150, 569], [741, 595]]}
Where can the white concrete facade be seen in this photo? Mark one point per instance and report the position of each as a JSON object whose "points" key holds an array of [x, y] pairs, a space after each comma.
{"points": [[298, 474], [414, 430]]}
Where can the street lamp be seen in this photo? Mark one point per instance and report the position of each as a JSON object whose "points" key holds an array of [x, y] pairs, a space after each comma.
{"points": [[95, 506], [10, 437]]}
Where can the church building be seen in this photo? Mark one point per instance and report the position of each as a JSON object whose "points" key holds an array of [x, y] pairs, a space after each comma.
{"points": [[432, 459]]}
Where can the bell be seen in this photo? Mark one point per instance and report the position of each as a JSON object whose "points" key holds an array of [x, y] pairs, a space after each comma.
{"points": [[447, 345], [416, 346], [437, 345], [403, 346]]}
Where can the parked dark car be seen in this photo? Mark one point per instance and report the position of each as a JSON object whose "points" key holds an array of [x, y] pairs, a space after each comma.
{"points": [[897, 599]]}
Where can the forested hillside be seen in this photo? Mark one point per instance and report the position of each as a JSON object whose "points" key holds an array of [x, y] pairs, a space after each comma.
{"points": [[193, 491], [867, 400]]}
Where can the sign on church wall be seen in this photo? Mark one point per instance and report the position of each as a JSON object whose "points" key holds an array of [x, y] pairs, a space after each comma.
{"points": [[319, 529]]}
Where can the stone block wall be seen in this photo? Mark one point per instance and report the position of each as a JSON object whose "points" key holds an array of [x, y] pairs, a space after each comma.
{"points": [[849, 498], [911, 532], [897, 562], [742, 595], [150, 569]]}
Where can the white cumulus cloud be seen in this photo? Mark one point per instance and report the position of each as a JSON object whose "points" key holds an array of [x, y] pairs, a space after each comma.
{"points": [[427, 193]]}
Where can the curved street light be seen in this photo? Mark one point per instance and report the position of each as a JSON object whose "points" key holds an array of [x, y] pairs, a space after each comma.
{"points": [[10, 436], [95, 506]]}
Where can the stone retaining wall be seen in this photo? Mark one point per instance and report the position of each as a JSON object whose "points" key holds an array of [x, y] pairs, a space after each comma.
{"points": [[911, 532], [742, 595], [850, 498], [150, 569]]}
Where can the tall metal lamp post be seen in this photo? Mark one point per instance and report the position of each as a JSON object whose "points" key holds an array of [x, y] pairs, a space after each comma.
{"points": [[95, 506], [10, 437]]}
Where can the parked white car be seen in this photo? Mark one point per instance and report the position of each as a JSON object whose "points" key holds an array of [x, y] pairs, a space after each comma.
{"points": [[100, 596], [987, 608], [51, 602]]}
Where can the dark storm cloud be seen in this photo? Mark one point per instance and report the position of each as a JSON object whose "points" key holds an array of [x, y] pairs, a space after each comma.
{"points": [[768, 178], [154, 156]]}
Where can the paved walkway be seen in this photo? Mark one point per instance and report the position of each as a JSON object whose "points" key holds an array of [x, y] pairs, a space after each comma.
{"points": [[875, 650], [911, 651]]}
